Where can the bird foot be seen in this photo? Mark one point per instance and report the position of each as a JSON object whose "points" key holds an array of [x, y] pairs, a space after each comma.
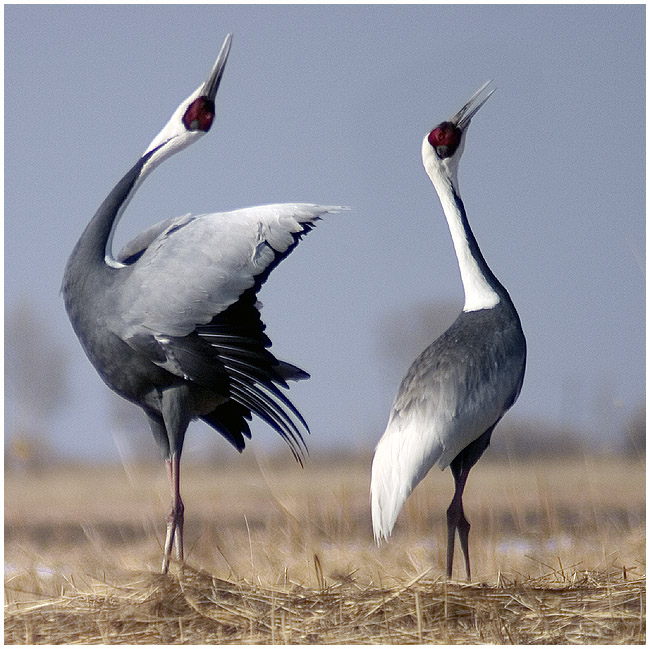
{"points": [[174, 537]]}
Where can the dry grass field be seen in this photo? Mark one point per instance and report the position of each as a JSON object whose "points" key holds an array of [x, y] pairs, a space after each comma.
{"points": [[277, 554]]}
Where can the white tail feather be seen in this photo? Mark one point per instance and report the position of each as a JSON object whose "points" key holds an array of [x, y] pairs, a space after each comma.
{"points": [[403, 457]]}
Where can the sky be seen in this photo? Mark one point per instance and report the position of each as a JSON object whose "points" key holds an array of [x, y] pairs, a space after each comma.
{"points": [[329, 104]]}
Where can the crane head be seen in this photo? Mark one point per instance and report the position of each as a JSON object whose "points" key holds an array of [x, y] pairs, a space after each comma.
{"points": [[445, 139], [193, 117], [443, 146]]}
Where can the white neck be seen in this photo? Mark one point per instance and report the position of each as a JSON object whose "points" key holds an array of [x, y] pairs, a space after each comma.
{"points": [[480, 292]]}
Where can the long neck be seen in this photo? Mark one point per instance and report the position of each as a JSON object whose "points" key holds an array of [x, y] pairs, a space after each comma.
{"points": [[482, 289], [93, 250]]}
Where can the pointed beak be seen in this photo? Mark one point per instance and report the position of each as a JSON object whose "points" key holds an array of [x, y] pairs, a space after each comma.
{"points": [[211, 84], [463, 117]]}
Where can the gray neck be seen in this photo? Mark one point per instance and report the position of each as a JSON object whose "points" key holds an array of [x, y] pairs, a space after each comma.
{"points": [[93, 246]]}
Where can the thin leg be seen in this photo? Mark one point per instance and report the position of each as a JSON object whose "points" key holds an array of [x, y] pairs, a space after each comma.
{"points": [[460, 468], [456, 521], [451, 539], [176, 416], [463, 537], [176, 515]]}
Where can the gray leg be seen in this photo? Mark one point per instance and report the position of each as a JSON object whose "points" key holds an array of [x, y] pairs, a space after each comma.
{"points": [[460, 468], [176, 516], [456, 521], [175, 412]]}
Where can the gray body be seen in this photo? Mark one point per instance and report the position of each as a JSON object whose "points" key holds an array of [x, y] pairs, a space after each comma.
{"points": [[475, 366], [457, 390], [175, 315], [172, 323]]}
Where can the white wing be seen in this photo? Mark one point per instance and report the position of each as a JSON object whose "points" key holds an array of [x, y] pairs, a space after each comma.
{"points": [[198, 266]]}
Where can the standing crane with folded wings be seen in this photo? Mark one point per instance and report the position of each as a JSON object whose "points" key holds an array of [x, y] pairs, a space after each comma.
{"points": [[457, 390]]}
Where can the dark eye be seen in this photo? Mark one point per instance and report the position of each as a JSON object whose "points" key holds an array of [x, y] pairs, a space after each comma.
{"points": [[445, 139], [199, 115]]}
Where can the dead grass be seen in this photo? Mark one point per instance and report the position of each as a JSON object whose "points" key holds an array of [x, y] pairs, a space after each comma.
{"points": [[194, 607], [279, 555]]}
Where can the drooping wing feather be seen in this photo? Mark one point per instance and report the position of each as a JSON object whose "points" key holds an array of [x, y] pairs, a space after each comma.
{"points": [[195, 311], [403, 456], [237, 337], [231, 420]]}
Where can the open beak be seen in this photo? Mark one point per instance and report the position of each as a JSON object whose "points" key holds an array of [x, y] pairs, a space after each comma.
{"points": [[211, 84], [463, 117]]}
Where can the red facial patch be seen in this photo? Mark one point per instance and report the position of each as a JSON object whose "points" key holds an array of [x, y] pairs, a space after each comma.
{"points": [[445, 139], [199, 115]]}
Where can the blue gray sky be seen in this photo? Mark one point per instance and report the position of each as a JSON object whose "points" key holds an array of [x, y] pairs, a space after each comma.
{"points": [[329, 104]]}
